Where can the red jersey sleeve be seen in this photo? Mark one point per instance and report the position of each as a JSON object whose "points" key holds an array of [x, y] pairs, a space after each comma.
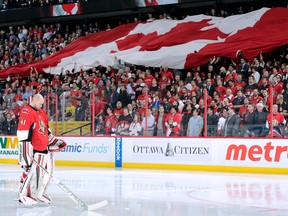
{"points": [[25, 124]]}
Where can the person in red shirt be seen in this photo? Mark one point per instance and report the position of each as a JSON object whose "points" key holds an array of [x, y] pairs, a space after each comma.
{"points": [[277, 118], [278, 121], [118, 75], [36, 144], [263, 84], [23, 84], [278, 87], [244, 108], [239, 82], [220, 88], [148, 78], [15, 110], [194, 88], [143, 95], [18, 96], [166, 76], [56, 80], [110, 122], [173, 122], [229, 95], [34, 82], [255, 97], [142, 110], [230, 74], [118, 111], [234, 89], [33, 72], [99, 107], [75, 94]]}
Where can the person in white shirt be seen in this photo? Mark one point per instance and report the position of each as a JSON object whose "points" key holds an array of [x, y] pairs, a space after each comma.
{"points": [[222, 119], [135, 127], [256, 74], [150, 123], [180, 102]]}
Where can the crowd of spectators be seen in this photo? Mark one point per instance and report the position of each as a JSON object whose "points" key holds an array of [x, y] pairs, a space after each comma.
{"points": [[11, 4], [238, 96]]}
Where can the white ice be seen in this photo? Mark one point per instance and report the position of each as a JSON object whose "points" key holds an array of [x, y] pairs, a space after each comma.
{"points": [[153, 193]]}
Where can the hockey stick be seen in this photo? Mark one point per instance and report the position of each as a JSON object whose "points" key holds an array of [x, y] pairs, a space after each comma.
{"points": [[79, 202]]}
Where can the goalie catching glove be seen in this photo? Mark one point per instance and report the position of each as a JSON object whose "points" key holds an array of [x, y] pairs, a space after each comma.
{"points": [[55, 144]]}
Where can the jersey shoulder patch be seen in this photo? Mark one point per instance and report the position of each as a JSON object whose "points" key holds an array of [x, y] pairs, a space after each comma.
{"points": [[26, 111]]}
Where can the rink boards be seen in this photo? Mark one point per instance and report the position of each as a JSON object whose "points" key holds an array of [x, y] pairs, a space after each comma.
{"points": [[207, 154]]}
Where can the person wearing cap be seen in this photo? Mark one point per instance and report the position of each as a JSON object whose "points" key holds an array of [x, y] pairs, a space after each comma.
{"points": [[232, 124]]}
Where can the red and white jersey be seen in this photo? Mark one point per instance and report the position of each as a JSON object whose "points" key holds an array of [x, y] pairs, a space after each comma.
{"points": [[254, 100], [277, 119], [33, 126], [75, 93], [166, 77], [148, 80], [110, 124], [175, 120]]}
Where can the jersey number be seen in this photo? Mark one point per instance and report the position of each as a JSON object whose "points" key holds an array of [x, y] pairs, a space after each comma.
{"points": [[23, 122]]}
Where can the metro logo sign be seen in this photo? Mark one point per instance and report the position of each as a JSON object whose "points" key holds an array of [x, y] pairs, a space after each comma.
{"points": [[8, 143], [8, 146], [269, 152]]}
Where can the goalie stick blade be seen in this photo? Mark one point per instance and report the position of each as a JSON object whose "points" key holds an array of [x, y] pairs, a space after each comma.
{"points": [[97, 205]]}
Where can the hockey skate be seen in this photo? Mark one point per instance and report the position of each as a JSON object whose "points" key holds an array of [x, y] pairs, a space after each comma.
{"points": [[27, 201], [44, 199]]}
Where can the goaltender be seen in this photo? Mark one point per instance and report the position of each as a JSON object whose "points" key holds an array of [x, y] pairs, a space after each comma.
{"points": [[36, 142]]}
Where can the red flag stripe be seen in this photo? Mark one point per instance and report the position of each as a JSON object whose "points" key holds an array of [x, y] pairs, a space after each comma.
{"points": [[177, 44]]}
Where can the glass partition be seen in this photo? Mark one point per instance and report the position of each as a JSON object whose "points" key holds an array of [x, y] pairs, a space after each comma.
{"points": [[100, 112]]}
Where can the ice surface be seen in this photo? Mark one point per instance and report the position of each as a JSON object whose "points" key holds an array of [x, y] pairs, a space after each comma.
{"points": [[153, 193]]}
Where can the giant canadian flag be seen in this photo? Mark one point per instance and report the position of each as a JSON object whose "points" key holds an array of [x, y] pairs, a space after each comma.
{"points": [[174, 43]]}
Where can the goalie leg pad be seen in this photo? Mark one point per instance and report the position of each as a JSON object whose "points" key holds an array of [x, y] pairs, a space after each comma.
{"points": [[37, 179], [47, 161], [42, 196], [25, 159], [25, 154], [25, 190]]}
